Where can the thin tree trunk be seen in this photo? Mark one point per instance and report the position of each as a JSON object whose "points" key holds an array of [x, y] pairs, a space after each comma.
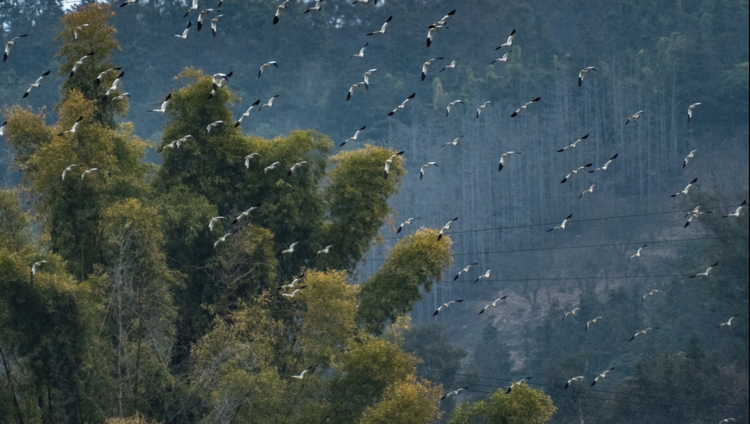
{"points": [[138, 351], [10, 383]]}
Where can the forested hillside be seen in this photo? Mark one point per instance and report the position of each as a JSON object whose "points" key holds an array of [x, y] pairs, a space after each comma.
{"points": [[166, 259]]}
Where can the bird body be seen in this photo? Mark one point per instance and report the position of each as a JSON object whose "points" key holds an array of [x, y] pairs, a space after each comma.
{"points": [[248, 157], [574, 144], [68, 169], [215, 24], [294, 169], [503, 157], [213, 125], [213, 222], [588, 324], [737, 211], [589, 190], [517, 383], [185, 31], [383, 28], [446, 227], [317, 6], [269, 103], [305, 371], [267, 65], [247, 113], [729, 322], [466, 269], [695, 213], [690, 111], [651, 293], [451, 66], [445, 305], [453, 393], [562, 225], [388, 167], [293, 293], [325, 250], [637, 254], [36, 266], [634, 116], [279, 8], [705, 273], [485, 275], [361, 53], [509, 41], [354, 137], [524, 107], [115, 86], [503, 58], [366, 78], [271, 166], [427, 65], [9, 43], [78, 63], [686, 189], [35, 84], [482, 107], [407, 222], [201, 15], [582, 73], [602, 375], [606, 165], [88, 171], [221, 239], [688, 157], [402, 105], [454, 142], [291, 248], [451, 104], [492, 305], [573, 380], [163, 107], [644, 331], [573, 312], [425, 166], [72, 130], [576, 171], [245, 213]]}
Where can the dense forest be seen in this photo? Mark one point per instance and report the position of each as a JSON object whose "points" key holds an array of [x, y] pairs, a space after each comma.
{"points": [[166, 259]]}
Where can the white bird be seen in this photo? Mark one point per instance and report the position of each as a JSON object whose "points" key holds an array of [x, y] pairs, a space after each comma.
{"points": [[436, 26], [219, 78], [637, 254], [517, 383], [451, 66], [445, 305], [305, 371], [9, 43], [634, 116], [163, 107], [705, 274], [454, 142], [185, 31], [354, 137], [451, 104], [366, 78], [425, 166], [688, 157], [382, 29], [466, 269], [213, 222], [686, 189], [574, 144], [573, 380], [193, 6], [115, 86], [88, 171], [454, 393], [201, 14], [364, 1], [127, 2], [503, 157], [36, 265], [728, 323], [222, 239], [120, 97], [695, 213], [267, 65], [35, 84], [651, 293], [68, 169], [573, 312], [295, 167], [503, 58], [582, 73], [101, 75], [388, 163], [485, 275], [181, 140], [604, 167], [407, 222], [269, 103], [524, 107], [245, 213], [78, 28], [602, 375], [296, 280], [690, 111], [76, 65], [588, 324], [427, 65], [214, 24], [317, 6], [589, 190], [292, 294], [2, 128], [247, 113], [271, 166], [72, 130], [562, 225], [291, 248], [734, 214], [327, 248], [213, 125], [726, 420], [492, 305], [361, 53], [279, 8], [642, 332], [576, 171], [402, 105], [351, 89], [508, 42], [446, 227], [482, 107]]}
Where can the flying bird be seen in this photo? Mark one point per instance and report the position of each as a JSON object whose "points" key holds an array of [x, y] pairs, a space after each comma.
{"points": [[432, 29], [651, 293], [695, 213], [562, 225], [604, 167], [279, 8], [213, 222], [402, 105], [573, 380], [503, 58], [634, 116], [294, 169], [482, 107], [366, 78], [690, 111], [9, 43], [39, 263], [351, 89], [317, 6], [492, 305], [294, 292], [517, 383], [637, 254], [213, 125], [101, 75], [267, 65], [427, 65], [120, 97], [354, 137], [588, 324], [688, 157], [305, 371], [466, 269], [269, 103], [271, 166], [602, 375], [388, 164], [88, 171], [326, 250], [2, 128], [248, 157], [573, 312], [407, 222], [582, 73], [68, 169], [215, 24], [589, 190], [737, 212], [451, 104], [364, 1], [245, 213], [576, 171], [524, 107], [686, 189], [451, 66], [425, 166], [729, 322], [503, 157], [454, 393], [72, 130], [201, 15], [445, 305], [454, 142], [35, 84], [642, 332], [446, 227], [361, 53], [115, 86], [382, 29], [291, 248], [574, 144], [485, 275], [78, 63], [163, 107], [221, 239], [185, 31], [247, 113], [705, 273], [193, 6], [509, 42], [127, 2], [296, 280]]}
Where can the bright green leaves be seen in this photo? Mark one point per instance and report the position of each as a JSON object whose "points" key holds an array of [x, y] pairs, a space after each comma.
{"points": [[415, 263]]}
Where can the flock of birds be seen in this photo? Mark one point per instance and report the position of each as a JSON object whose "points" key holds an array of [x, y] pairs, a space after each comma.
{"points": [[113, 93]]}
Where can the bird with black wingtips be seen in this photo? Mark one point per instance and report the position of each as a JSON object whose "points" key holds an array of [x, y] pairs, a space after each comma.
{"points": [[72, 130], [291, 248], [576, 171], [688, 157], [245, 213], [316, 7], [588, 324], [588, 190], [634, 116], [215, 24], [690, 111], [78, 63], [705, 273], [185, 31], [602, 375], [573, 144], [305, 371], [451, 104], [425, 166], [729, 322], [115, 86], [492, 305], [193, 6], [562, 225], [465, 269], [524, 107], [606, 165], [454, 393], [269, 103], [247, 113], [366, 78], [294, 169], [35, 84], [573, 380], [509, 41], [446, 227], [402, 105], [694, 214], [388, 164], [485, 275], [271, 166], [407, 222], [642, 332], [637, 254], [686, 189], [573, 312], [101, 75], [432, 29], [734, 214], [279, 8], [354, 137], [454, 142], [127, 2], [201, 16], [445, 305], [582, 73], [482, 107], [382, 29], [451, 66], [503, 157], [361, 53], [267, 65], [503, 58], [427, 65], [325, 250], [517, 383], [9, 43]]}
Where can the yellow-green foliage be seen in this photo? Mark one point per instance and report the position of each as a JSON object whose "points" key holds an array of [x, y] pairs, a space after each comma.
{"points": [[137, 419], [522, 405], [13, 221], [411, 401]]}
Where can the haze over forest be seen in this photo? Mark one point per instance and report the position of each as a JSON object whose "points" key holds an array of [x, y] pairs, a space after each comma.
{"points": [[137, 312]]}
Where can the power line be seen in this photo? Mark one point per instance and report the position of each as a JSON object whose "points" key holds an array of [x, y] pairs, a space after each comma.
{"points": [[614, 277]]}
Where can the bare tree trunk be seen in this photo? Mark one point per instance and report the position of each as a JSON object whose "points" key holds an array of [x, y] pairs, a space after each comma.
{"points": [[138, 351], [10, 383]]}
